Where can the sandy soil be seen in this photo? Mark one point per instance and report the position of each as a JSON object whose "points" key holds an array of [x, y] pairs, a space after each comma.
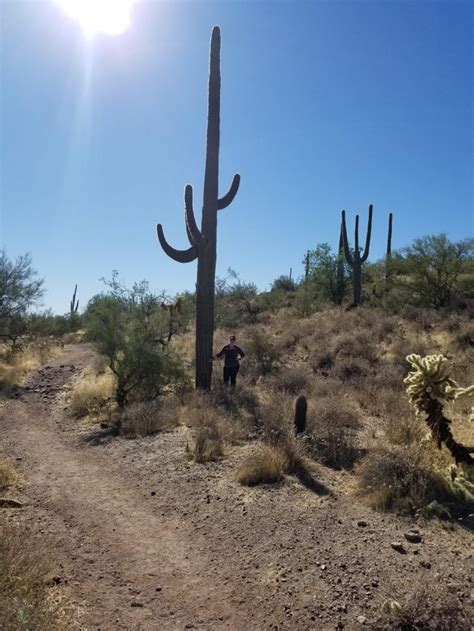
{"points": [[141, 538]]}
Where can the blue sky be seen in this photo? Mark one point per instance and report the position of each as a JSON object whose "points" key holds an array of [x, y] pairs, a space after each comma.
{"points": [[325, 105]]}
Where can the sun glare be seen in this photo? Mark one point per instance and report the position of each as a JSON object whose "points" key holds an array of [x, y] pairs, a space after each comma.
{"points": [[111, 17]]}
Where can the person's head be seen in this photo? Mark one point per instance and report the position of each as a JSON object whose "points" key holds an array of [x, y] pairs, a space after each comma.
{"points": [[232, 340]]}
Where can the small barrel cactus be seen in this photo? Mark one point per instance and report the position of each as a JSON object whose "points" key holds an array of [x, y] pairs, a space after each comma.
{"points": [[301, 409]]}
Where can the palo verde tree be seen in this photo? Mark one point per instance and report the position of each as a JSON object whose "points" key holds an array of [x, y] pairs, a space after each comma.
{"points": [[203, 242], [130, 329], [20, 290], [438, 271], [355, 259]]}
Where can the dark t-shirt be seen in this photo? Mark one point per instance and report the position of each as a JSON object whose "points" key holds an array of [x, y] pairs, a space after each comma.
{"points": [[231, 355]]}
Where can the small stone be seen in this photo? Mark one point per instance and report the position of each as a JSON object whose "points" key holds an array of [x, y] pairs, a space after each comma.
{"points": [[361, 523], [361, 619], [398, 547], [136, 603], [7, 502], [413, 536], [425, 564]]}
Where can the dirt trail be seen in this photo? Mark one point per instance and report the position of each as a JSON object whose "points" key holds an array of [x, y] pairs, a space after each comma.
{"points": [[117, 551], [143, 539]]}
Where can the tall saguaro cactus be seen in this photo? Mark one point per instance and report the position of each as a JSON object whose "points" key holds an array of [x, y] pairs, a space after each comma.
{"points": [[203, 242], [355, 260]]}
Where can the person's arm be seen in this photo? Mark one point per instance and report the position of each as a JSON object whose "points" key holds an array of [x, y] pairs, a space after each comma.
{"points": [[220, 353], [240, 352]]}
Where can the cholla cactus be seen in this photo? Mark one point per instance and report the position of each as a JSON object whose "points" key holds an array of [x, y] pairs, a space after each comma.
{"points": [[429, 387]]}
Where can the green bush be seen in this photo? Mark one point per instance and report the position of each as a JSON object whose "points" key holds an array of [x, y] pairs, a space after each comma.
{"points": [[132, 330]]}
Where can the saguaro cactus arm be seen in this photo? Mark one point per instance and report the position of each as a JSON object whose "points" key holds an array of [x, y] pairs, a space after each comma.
{"points": [[228, 198], [347, 250], [367, 238], [194, 234], [181, 256]]}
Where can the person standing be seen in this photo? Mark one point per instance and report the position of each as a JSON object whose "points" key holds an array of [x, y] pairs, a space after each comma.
{"points": [[232, 355]]}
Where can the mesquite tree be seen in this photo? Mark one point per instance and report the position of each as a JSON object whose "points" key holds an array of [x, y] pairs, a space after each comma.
{"points": [[355, 259], [203, 242]]}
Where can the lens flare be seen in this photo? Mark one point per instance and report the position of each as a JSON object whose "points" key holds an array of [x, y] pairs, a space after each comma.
{"points": [[111, 17]]}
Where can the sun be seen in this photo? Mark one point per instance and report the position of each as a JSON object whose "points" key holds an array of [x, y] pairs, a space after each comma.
{"points": [[111, 17]]}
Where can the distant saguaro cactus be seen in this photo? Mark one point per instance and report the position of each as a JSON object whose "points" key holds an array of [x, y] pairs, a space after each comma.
{"points": [[306, 265], [355, 260], [301, 409], [203, 242], [388, 258], [74, 304], [340, 281]]}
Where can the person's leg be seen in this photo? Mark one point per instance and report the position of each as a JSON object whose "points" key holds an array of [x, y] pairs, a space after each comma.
{"points": [[226, 376], [233, 376]]}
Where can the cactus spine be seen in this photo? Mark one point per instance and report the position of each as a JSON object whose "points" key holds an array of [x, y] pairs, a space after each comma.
{"points": [[74, 304], [355, 260], [203, 242]]}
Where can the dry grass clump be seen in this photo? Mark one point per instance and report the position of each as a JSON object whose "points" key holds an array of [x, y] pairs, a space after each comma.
{"points": [[426, 609], [26, 601], [401, 478], [91, 393], [270, 461], [8, 474], [332, 432], [265, 466], [208, 443], [15, 366], [148, 418]]}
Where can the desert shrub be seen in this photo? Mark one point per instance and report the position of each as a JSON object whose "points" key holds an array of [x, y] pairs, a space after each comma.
{"points": [[292, 379], [401, 347], [401, 478], [132, 330], [358, 344], [20, 289], [8, 474], [425, 609], [208, 443], [283, 283], [15, 366], [261, 352], [348, 367], [402, 427], [147, 417], [26, 600], [465, 337], [236, 401], [332, 432], [321, 360], [92, 393], [277, 414], [264, 466], [435, 267]]}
